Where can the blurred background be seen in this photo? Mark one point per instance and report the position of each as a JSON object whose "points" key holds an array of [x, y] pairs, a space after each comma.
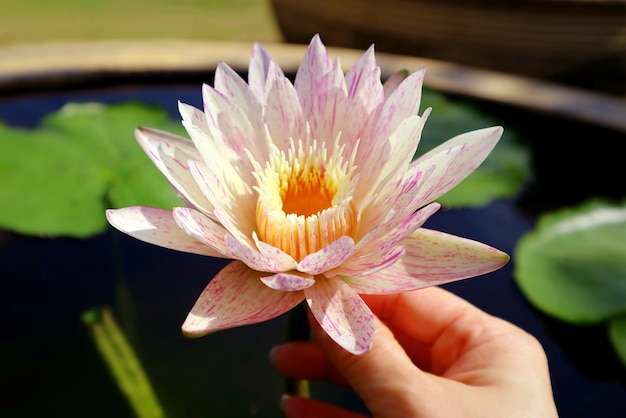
{"points": [[91, 318], [67, 20]]}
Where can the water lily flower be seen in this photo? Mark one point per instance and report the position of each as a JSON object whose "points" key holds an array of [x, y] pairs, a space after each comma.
{"points": [[310, 187]]}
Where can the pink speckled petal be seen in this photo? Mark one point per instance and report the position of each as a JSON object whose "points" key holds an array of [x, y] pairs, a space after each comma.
{"points": [[283, 113], [451, 162], [341, 312], [203, 229], [272, 252], [289, 282], [175, 167], [321, 89], [383, 246], [156, 226], [145, 135], [403, 102], [389, 161], [151, 140], [394, 81], [257, 71], [363, 83], [230, 127], [393, 279], [432, 258], [328, 257], [235, 297], [233, 200], [254, 259], [213, 153], [314, 66], [230, 83], [364, 97], [434, 255], [391, 203], [372, 264]]}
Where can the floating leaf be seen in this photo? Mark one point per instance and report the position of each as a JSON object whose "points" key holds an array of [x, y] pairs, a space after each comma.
{"points": [[573, 265], [502, 174], [59, 179]]}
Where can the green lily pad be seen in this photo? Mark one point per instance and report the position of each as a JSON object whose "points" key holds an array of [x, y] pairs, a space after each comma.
{"points": [[59, 179], [573, 265], [617, 336], [502, 174]]}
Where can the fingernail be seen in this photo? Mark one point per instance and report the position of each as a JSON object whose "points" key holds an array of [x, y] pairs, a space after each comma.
{"points": [[283, 400], [273, 351]]}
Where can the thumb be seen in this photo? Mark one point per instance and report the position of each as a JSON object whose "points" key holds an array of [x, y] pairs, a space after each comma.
{"points": [[382, 377]]}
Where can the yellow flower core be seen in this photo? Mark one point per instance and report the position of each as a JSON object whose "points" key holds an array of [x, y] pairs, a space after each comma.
{"points": [[304, 199]]}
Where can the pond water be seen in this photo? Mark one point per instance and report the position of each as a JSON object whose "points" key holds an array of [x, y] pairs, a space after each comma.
{"points": [[51, 368]]}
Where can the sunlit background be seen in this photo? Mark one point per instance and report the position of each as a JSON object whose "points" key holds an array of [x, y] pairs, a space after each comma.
{"points": [[67, 20]]}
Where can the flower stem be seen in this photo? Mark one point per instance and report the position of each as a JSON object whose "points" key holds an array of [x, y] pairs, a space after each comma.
{"points": [[123, 363], [298, 329]]}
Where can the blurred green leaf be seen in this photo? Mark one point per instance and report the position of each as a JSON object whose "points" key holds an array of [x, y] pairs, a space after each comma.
{"points": [[573, 265], [504, 172], [60, 178], [617, 336]]}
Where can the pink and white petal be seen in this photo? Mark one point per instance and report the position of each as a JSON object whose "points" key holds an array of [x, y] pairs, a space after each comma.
{"points": [[253, 258], [203, 229], [393, 279], [342, 314], [156, 226], [403, 102], [195, 118], [368, 264], [145, 135], [211, 152], [363, 83], [229, 83], [234, 297], [275, 253], [289, 282], [322, 93], [364, 97], [257, 71], [325, 106], [283, 113], [386, 167], [451, 162], [400, 229], [328, 257], [437, 256], [377, 248], [175, 162], [313, 68], [391, 203], [230, 127], [394, 81], [234, 201], [431, 258]]}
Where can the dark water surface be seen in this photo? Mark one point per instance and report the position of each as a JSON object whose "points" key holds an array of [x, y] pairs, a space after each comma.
{"points": [[50, 367]]}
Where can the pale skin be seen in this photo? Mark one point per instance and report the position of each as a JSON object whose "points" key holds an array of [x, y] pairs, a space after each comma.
{"points": [[434, 355]]}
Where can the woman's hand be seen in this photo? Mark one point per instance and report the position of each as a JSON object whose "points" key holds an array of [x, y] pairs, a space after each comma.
{"points": [[434, 355]]}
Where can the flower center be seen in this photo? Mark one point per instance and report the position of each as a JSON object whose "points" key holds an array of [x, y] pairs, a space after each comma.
{"points": [[304, 199]]}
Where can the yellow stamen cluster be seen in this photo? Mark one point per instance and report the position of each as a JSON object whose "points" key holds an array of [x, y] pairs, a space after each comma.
{"points": [[304, 200]]}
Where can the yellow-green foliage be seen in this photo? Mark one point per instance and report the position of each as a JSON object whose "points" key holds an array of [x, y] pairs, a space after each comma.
{"points": [[44, 20]]}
